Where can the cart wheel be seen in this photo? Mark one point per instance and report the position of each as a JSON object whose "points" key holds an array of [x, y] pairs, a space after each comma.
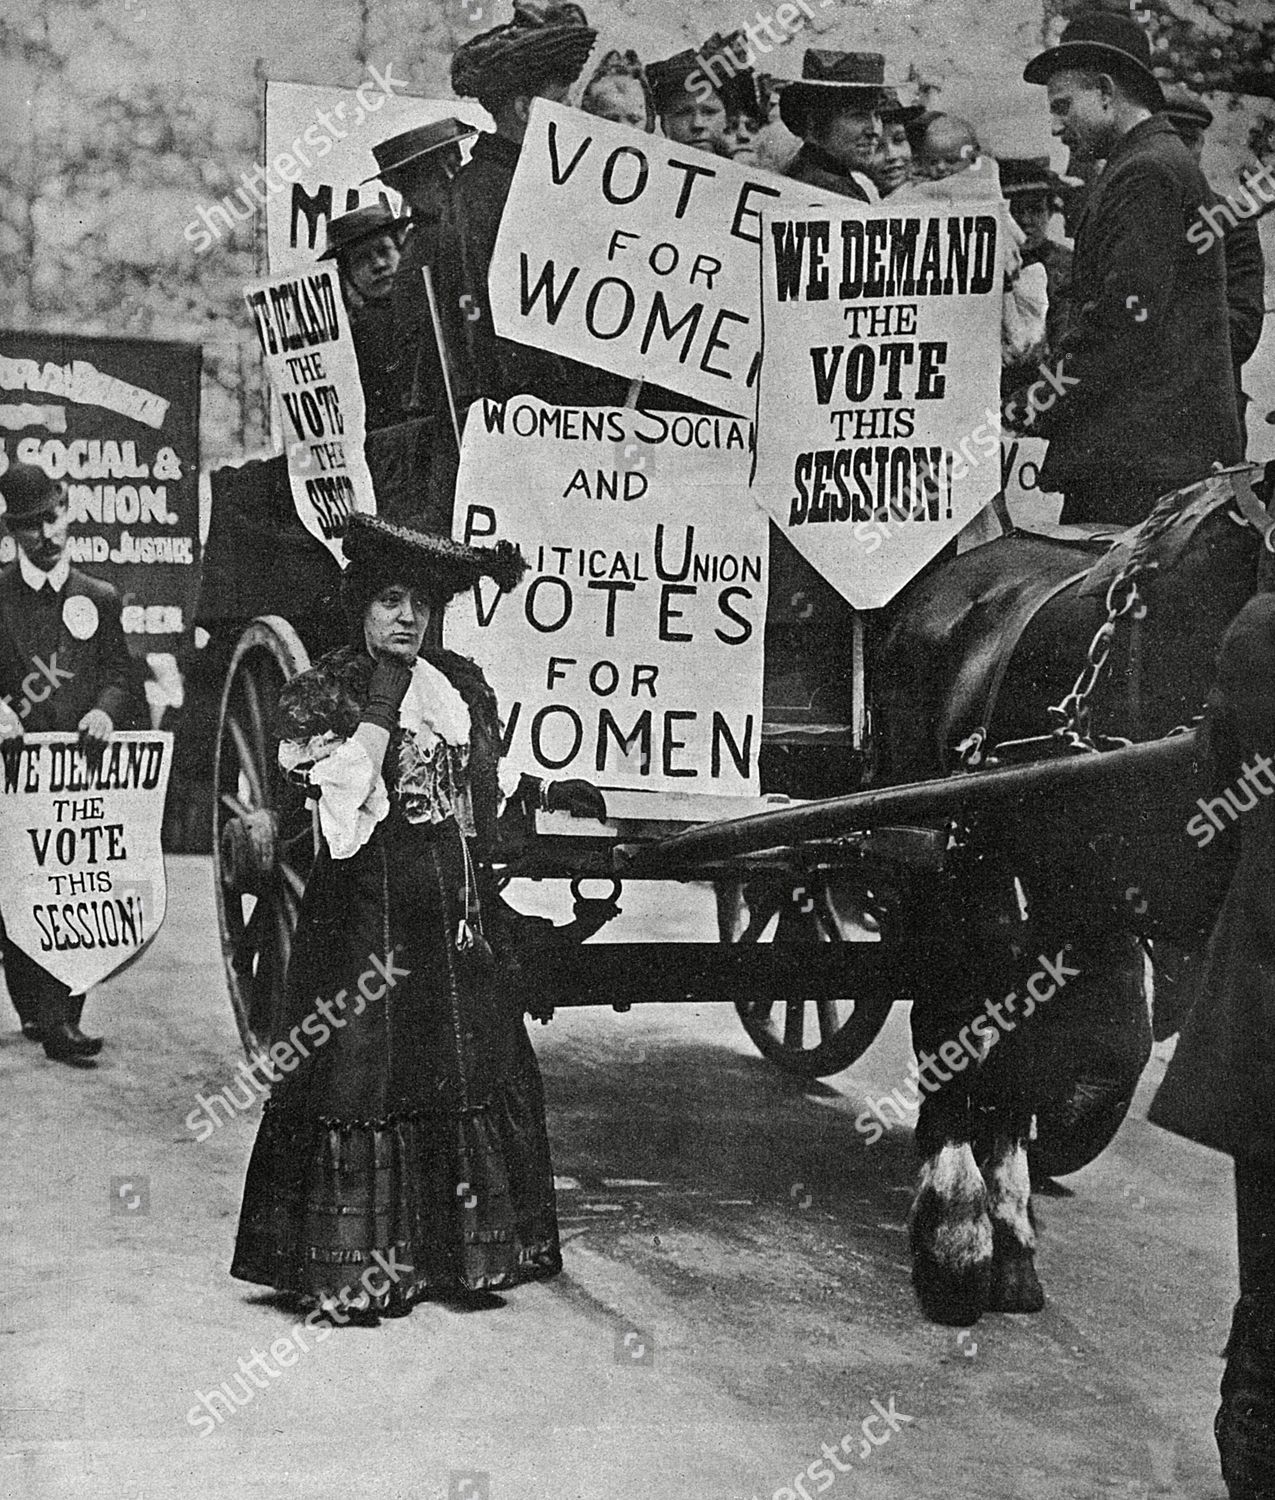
{"points": [[846, 907], [264, 835]]}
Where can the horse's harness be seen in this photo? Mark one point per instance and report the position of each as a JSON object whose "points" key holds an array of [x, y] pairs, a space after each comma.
{"points": [[1152, 547]]}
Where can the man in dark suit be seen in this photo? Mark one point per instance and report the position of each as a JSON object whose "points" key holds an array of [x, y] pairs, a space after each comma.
{"points": [[64, 665], [1146, 398]]}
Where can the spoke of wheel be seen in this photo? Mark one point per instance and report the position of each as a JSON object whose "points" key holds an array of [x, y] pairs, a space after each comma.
{"points": [[794, 1024], [246, 763], [829, 1021], [246, 942], [230, 801], [283, 943], [257, 719], [828, 917]]}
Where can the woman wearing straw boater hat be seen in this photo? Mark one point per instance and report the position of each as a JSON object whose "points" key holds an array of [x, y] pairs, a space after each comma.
{"points": [[1147, 401], [1241, 247], [537, 55], [419, 165], [402, 1152], [835, 107], [365, 245]]}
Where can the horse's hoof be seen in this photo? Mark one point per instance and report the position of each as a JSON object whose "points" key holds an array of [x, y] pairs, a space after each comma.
{"points": [[1013, 1285], [951, 1237]]}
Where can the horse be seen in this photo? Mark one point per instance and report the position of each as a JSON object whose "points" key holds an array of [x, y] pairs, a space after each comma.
{"points": [[1042, 909]]}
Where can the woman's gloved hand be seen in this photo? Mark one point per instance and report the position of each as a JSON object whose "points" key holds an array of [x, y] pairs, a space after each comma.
{"points": [[579, 798], [391, 678]]}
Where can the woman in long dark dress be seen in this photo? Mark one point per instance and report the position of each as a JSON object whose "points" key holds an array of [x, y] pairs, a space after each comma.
{"points": [[406, 1154]]}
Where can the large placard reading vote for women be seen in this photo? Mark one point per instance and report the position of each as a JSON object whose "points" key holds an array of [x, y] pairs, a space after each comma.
{"points": [[308, 348], [636, 255], [632, 652], [81, 869], [881, 367]]}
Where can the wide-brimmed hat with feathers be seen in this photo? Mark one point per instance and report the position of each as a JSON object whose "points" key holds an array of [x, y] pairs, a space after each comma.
{"points": [[379, 553]]}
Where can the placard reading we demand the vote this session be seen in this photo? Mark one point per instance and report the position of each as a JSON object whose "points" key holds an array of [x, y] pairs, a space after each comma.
{"points": [[881, 356], [632, 652], [308, 348], [81, 868]]}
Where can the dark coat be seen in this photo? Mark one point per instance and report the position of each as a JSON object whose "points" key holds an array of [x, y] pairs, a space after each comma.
{"points": [[1148, 337], [378, 348], [814, 166], [1220, 1086], [414, 358], [483, 364], [34, 629]]}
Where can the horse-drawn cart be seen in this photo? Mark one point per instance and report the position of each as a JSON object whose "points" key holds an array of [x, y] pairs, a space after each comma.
{"points": [[910, 766]]}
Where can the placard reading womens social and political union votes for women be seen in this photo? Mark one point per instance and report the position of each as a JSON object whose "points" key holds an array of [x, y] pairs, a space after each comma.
{"points": [[305, 338], [81, 869], [632, 652], [636, 255], [881, 357]]}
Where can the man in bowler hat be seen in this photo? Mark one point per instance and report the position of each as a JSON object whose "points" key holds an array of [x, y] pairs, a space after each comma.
{"points": [[64, 665], [1146, 396]]}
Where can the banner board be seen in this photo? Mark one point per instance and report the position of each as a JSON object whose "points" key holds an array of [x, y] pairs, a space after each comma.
{"points": [[319, 145], [118, 421], [307, 347], [632, 653], [81, 869], [881, 365], [635, 255]]}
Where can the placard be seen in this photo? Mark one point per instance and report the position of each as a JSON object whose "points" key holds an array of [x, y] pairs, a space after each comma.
{"points": [[118, 421], [319, 152], [632, 653], [880, 378], [307, 346], [636, 255], [82, 886]]}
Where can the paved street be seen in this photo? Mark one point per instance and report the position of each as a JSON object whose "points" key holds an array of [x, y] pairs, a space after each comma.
{"points": [[735, 1293]]}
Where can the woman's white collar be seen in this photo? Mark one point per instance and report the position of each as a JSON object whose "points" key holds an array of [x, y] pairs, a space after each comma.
{"points": [[432, 703]]}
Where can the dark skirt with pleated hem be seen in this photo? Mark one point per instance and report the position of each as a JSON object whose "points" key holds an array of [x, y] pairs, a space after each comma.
{"points": [[403, 1208], [407, 1155]]}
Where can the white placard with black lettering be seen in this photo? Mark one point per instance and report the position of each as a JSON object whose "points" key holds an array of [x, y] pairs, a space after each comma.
{"points": [[881, 366], [305, 339], [81, 868], [636, 255], [632, 653]]}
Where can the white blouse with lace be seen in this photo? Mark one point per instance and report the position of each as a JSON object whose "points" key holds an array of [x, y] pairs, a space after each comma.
{"points": [[433, 783]]}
